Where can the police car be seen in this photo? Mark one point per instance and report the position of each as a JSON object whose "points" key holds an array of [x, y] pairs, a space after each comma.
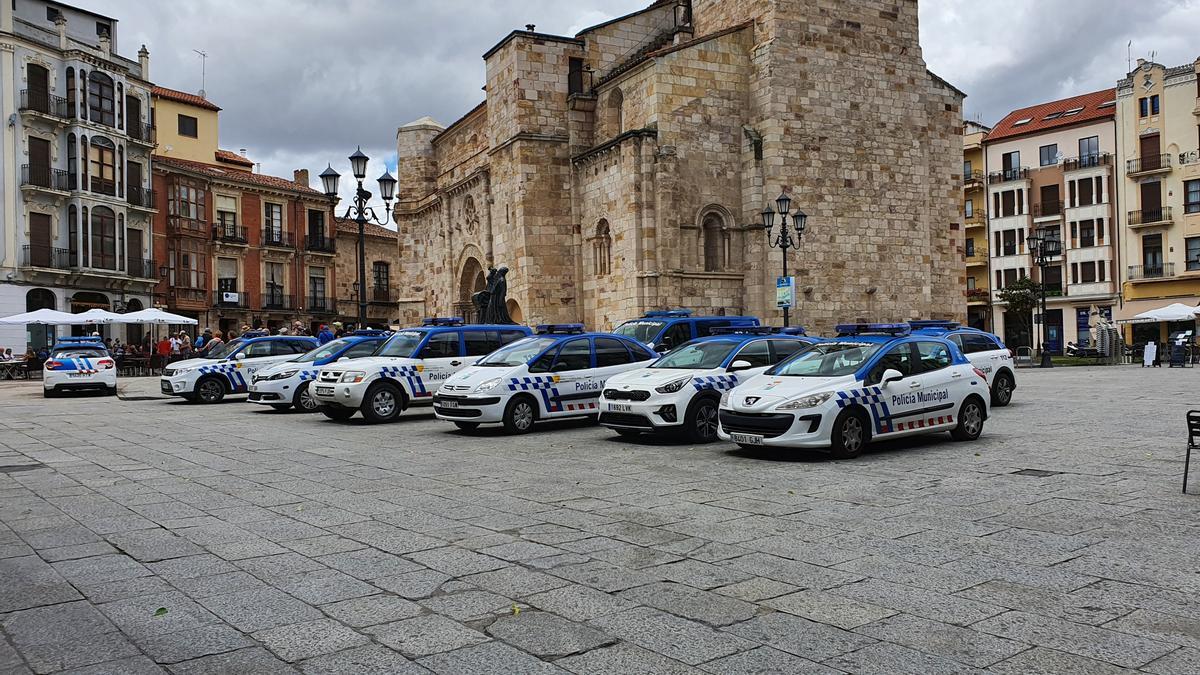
{"points": [[284, 385], [664, 330], [407, 369], [680, 391], [874, 381], [79, 363], [984, 350], [557, 373], [229, 367]]}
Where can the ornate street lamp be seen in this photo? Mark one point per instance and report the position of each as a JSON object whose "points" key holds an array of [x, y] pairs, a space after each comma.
{"points": [[1042, 249], [361, 213], [783, 240]]}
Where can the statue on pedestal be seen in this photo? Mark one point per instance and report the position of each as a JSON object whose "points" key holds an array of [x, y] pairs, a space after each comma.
{"points": [[491, 303]]}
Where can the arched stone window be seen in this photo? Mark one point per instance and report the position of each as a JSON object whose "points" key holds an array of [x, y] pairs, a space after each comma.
{"points": [[713, 233], [39, 298], [602, 249], [615, 112], [102, 166], [72, 111], [102, 107]]}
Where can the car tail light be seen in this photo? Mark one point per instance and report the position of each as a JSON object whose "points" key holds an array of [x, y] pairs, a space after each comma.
{"points": [[105, 363], [981, 374], [53, 364]]}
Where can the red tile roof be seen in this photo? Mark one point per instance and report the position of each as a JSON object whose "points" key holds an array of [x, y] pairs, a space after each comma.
{"points": [[233, 158], [351, 227], [1037, 114], [236, 175], [183, 97]]}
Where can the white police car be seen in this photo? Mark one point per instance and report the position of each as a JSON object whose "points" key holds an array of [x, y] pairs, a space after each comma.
{"points": [[680, 391], [229, 367], [79, 363], [664, 330], [557, 373], [284, 385], [985, 351], [406, 369], [874, 381]]}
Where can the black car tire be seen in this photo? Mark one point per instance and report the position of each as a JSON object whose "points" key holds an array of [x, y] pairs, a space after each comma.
{"points": [[282, 407], [851, 433], [971, 415], [520, 415], [337, 413], [467, 426], [383, 403], [1002, 390], [210, 390], [700, 422], [303, 400], [628, 433]]}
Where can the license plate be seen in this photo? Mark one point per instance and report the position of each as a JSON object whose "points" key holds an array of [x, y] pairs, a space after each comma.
{"points": [[324, 391], [746, 439], [447, 404], [620, 407], [77, 375]]}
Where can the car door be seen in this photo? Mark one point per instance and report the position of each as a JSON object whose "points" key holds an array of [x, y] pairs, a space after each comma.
{"points": [[942, 385], [441, 357], [896, 400], [612, 358], [755, 352], [574, 387]]}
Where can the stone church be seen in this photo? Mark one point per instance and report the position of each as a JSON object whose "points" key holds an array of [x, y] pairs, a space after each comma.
{"points": [[624, 168]]}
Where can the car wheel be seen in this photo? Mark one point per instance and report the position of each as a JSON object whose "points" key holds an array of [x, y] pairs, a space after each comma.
{"points": [[700, 423], [970, 420], [304, 400], [190, 398], [1002, 390], [850, 434], [339, 414], [519, 415], [210, 390], [467, 426], [382, 403]]}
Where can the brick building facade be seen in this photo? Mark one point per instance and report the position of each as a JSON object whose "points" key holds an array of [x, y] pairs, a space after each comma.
{"points": [[623, 169], [383, 263]]}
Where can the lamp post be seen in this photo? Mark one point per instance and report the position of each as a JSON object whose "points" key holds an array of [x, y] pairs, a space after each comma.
{"points": [[361, 213], [1042, 249], [783, 240]]}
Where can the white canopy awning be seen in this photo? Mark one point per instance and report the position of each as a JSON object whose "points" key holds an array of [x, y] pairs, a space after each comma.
{"points": [[1173, 312], [158, 316], [43, 317], [96, 316]]}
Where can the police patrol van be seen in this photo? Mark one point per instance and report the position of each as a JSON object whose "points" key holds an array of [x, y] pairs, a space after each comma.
{"points": [[985, 351], [679, 392], [557, 373], [873, 381], [287, 384], [229, 367], [79, 363], [406, 369], [664, 330]]}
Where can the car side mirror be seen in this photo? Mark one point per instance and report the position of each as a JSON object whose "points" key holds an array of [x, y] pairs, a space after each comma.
{"points": [[891, 375], [343, 358], [740, 364], [240, 356]]}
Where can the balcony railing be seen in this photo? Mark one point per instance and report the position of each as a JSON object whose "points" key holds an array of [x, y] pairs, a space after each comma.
{"points": [[44, 177], [319, 244], [1159, 271], [1147, 216], [45, 103], [219, 299], [276, 301], [1048, 208], [1148, 163], [973, 177], [274, 237], [139, 197], [45, 256], [182, 225], [143, 133], [1087, 161], [1020, 173], [229, 233], [977, 294], [142, 268], [196, 280], [321, 304]]}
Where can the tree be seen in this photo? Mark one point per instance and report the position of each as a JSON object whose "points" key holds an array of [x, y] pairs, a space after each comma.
{"points": [[1023, 298]]}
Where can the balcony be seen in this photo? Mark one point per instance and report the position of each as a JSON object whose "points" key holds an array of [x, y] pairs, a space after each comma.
{"points": [[277, 301], [976, 258], [179, 225], [229, 234], [142, 268], [141, 133], [45, 104], [1150, 217], [229, 299], [977, 295], [1054, 290], [276, 237], [321, 304], [140, 197], [1007, 175], [43, 177], [190, 297], [1087, 161], [104, 186], [1151, 272], [382, 294], [973, 180], [319, 244], [1048, 209], [45, 257], [1142, 166]]}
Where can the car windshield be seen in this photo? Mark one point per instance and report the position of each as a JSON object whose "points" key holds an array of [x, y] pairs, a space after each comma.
{"points": [[831, 359], [700, 355], [324, 351], [642, 330], [401, 345], [224, 350], [517, 353]]}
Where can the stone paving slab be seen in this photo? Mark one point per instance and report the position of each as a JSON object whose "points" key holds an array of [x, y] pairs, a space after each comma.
{"points": [[203, 544]]}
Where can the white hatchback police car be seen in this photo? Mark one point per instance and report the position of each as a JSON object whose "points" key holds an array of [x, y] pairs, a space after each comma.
{"points": [[286, 385], [79, 363], [555, 374], [874, 381], [678, 393], [228, 368]]}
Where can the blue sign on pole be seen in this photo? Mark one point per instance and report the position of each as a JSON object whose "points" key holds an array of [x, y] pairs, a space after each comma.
{"points": [[785, 291]]}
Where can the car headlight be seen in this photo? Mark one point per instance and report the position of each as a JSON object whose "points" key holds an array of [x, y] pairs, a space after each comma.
{"points": [[724, 399], [488, 385], [806, 402], [673, 386], [353, 377], [283, 376]]}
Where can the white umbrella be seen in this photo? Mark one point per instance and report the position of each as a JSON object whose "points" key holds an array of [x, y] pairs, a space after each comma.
{"points": [[44, 317], [158, 316], [1174, 312], [98, 316]]}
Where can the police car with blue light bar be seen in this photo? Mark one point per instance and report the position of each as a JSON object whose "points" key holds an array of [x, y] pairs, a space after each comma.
{"points": [[79, 363], [665, 329], [873, 381], [559, 372], [229, 367], [287, 384], [985, 351], [678, 394]]}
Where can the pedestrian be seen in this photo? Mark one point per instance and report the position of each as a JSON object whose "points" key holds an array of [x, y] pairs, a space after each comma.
{"points": [[8, 355], [108, 344], [298, 328], [174, 347], [338, 329], [185, 345], [163, 351], [325, 335], [213, 343]]}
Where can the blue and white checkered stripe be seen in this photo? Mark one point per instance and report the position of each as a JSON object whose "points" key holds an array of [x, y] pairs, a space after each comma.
{"points": [[870, 398], [237, 380], [545, 384], [717, 382], [411, 375], [308, 375]]}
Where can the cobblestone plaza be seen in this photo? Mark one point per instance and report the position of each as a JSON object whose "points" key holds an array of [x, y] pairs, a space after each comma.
{"points": [[140, 535]]}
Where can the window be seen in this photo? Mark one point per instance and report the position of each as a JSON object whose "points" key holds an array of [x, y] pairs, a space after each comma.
{"points": [[101, 99], [1089, 151], [273, 222], [102, 29], [188, 126], [1152, 255], [481, 343], [675, 336], [273, 284], [602, 249], [897, 358], [1191, 196], [757, 353], [1087, 272], [933, 356], [966, 168], [1008, 203], [785, 348], [1072, 111], [1101, 266], [610, 352], [1084, 194], [316, 226], [102, 166], [714, 244], [364, 348], [973, 343], [1087, 233], [227, 216], [1143, 107], [1009, 242], [187, 201], [441, 346], [574, 355], [1022, 122], [970, 248], [316, 287], [71, 93], [1192, 247], [380, 273], [574, 75], [1154, 104], [971, 283], [969, 208], [705, 327], [227, 275], [104, 238], [1048, 154], [1010, 278]]}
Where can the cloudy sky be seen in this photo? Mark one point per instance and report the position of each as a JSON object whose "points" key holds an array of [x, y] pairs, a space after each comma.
{"points": [[303, 82]]}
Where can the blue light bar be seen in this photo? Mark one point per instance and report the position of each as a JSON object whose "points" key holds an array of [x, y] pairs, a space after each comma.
{"points": [[877, 328], [78, 340], [443, 321], [559, 328], [667, 313], [792, 330], [934, 323], [741, 330]]}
